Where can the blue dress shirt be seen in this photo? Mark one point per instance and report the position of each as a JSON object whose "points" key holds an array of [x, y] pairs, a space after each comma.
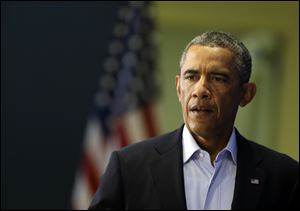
{"points": [[207, 186]]}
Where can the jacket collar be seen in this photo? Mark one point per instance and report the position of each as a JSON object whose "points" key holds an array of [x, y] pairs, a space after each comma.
{"points": [[167, 171]]}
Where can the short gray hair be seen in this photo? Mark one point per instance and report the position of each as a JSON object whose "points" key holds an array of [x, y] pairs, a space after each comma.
{"points": [[242, 61]]}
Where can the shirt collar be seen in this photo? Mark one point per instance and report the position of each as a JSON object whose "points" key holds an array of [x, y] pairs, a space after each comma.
{"points": [[190, 146], [232, 146]]}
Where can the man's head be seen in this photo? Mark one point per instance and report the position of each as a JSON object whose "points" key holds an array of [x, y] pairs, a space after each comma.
{"points": [[224, 40], [214, 73]]}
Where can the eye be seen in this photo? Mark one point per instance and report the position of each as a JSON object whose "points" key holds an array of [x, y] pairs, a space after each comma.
{"points": [[219, 78], [191, 77]]}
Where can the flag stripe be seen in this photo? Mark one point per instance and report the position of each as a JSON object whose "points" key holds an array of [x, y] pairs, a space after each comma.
{"points": [[149, 120], [90, 170], [82, 194], [94, 146], [136, 126], [121, 130]]}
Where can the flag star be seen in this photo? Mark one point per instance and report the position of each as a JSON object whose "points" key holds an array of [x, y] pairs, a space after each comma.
{"points": [[116, 47], [107, 82], [102, 99], [111, 64], [129, 59], [135, 42], [120, 30]]}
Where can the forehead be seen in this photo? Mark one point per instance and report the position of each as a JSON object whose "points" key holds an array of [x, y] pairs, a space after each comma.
{"points": [[198, 55]]}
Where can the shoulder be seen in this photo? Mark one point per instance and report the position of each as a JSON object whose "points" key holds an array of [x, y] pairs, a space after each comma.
{"points": [[268, 158], [274, 156], [152, 147]]}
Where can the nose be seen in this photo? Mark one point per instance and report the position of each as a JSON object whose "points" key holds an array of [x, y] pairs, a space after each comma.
{"points": [[201, 89]]}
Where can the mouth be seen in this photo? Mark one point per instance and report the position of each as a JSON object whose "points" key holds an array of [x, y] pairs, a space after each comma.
{"points": [[201, 109]]}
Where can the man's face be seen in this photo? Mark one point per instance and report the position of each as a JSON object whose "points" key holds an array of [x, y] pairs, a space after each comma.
{"points": [[209, 90]]}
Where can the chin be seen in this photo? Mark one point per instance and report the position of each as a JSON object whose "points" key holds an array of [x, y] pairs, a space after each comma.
{"points": [[199, 129]]}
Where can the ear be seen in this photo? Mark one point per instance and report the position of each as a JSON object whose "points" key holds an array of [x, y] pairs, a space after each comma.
{"points": [[178, 88], [249, 91]]}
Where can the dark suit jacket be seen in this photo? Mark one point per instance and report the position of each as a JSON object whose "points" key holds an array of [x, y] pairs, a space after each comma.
{"points": [[149, 175]]}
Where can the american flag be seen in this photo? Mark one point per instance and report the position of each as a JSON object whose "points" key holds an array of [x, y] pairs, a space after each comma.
{"points": [[124, 110]]}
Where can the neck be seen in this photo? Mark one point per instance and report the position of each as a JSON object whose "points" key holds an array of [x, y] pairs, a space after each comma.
{"points": [[213, 144]]}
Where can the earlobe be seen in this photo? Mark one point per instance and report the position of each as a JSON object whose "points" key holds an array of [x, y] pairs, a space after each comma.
{"points": [[249, 91]]}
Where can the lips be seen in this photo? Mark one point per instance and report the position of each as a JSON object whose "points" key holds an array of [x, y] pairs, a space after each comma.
{"points": [[201, 108]]}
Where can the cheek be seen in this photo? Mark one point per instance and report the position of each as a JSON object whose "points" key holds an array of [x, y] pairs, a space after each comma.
{"points": [[227, 106], [184, 99], [180, 92], [184, 96]]}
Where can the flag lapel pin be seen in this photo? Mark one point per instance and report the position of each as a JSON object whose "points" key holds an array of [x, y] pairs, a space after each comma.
{"points": [[254, 181]]}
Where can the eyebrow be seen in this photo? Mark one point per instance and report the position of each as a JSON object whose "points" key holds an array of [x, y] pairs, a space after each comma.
{"points": [[222, 72], [190, 72]]}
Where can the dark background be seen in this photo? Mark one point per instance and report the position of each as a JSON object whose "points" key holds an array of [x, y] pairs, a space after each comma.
{"points": [[51, 60]]}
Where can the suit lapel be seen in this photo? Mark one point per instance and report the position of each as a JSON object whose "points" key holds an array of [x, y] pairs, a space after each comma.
{"points": [[250, 179], [167, 172]]}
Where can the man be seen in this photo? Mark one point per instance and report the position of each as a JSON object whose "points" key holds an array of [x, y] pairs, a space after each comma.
{"points": [[205, 164]]}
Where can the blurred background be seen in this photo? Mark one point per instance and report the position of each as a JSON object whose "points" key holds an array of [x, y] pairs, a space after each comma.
{"points": [[60, 62]]}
